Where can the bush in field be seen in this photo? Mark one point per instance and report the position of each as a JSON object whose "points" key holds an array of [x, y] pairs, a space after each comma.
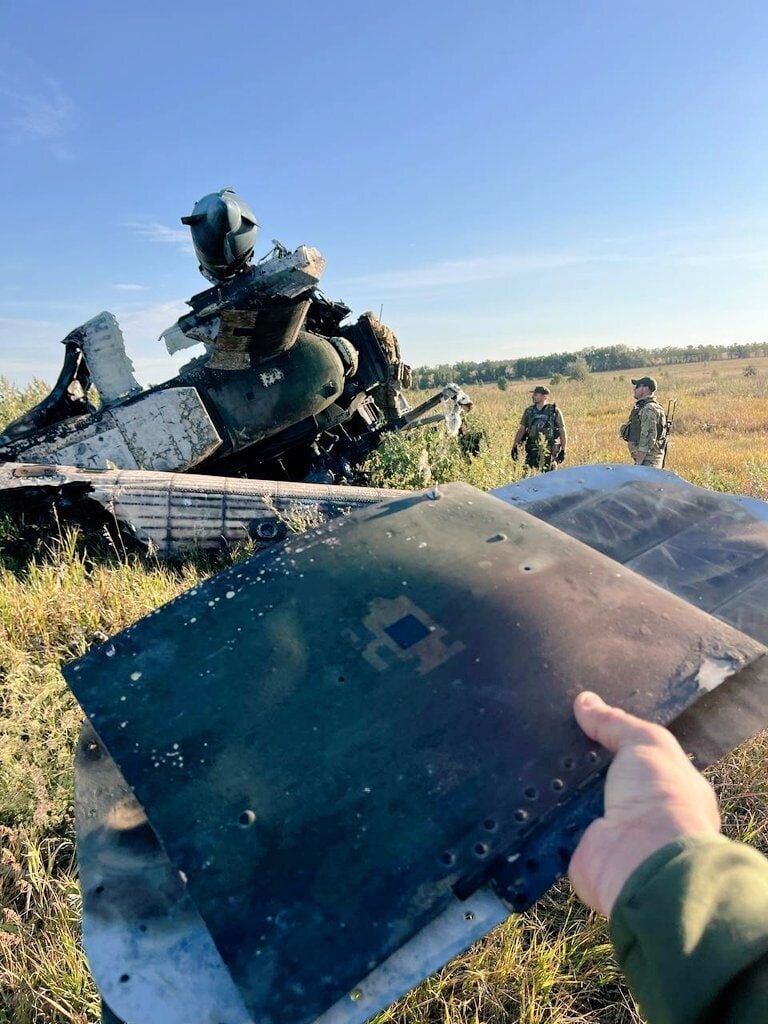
{"points": [[15, 400], [415, 459], [750, 371], [578, 370], [501, 383], [556, 378]]}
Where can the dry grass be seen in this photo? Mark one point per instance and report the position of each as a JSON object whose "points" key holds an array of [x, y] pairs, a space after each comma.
{"points": [[552, 965]]}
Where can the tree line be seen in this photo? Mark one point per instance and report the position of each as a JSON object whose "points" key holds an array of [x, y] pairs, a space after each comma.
{"points": [[612, 357]]}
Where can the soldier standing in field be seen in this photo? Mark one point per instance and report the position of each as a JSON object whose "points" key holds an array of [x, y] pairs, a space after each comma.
{"points": [[543, 429], [645, 429]]}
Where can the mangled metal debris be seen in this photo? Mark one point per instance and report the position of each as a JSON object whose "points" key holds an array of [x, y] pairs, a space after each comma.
{"points": [[286, 389], [173, 513], [314, 779]]}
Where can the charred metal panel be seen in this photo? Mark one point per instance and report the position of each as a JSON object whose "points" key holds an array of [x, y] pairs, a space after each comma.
{"points": [[247, 336], [148, 947], [161, 430], [67, 399], [330, 755], [709, 548]]}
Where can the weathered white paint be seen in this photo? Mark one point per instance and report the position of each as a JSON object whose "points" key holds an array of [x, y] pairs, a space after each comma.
{"points": [[175, 339], [714, 671], [167, 430], [161, 430], [291, 274], [111, 370], [270, 377]]}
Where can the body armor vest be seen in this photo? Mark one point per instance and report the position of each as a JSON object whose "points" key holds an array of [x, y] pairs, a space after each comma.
{"points": [[543, 423], [634, 420]]}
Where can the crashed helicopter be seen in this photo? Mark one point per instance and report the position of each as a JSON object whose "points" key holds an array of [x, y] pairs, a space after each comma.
{"points": [[287, 389]]}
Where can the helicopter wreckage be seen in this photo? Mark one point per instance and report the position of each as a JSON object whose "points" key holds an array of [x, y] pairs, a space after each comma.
{"points": [[298, 809], [288, 390]]}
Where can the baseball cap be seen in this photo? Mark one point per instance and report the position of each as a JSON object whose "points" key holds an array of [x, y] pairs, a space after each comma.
{"points": [[647, 382]]}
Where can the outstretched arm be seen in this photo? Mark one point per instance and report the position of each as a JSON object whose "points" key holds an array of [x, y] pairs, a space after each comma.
{"points": [[688, 908]]}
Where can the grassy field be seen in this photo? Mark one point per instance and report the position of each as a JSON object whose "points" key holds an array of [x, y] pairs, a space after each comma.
{"points": [[552, 965]]}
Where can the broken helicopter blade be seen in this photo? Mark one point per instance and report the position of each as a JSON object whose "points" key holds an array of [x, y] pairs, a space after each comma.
{"points": [[176, 512]]}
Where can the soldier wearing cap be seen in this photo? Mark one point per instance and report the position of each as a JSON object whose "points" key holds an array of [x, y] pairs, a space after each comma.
{"points": [[645, 429], [543, 429]]}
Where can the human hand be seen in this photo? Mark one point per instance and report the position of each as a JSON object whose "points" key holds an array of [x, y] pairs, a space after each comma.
{"points": [[653, 795]]}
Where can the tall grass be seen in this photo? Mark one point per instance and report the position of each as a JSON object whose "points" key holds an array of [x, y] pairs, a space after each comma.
{"points": [[15, 400], [62, 592]]}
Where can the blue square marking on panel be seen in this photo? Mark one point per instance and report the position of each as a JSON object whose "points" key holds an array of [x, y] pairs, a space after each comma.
{"points": [[407, 631]]}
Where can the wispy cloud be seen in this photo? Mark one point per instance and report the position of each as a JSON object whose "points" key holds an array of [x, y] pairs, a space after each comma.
{"points": [[39, 113], [600, 254], [142, 325], [155, 232], [119, 287], [452, 272], [749, 257]]}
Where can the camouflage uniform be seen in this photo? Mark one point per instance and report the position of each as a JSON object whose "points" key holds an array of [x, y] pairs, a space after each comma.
{"points": [[644, 432], [400, 374], [544, 431]]}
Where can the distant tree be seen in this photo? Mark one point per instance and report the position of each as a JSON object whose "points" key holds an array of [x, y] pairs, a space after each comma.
{"points": [[501, 383], [588, 360]]}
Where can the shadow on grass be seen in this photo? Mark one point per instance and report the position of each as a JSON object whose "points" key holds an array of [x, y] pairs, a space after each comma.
{"points": [[41, 532]]}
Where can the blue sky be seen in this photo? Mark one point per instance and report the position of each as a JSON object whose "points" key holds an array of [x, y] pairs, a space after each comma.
{"points": [[506, 178]]}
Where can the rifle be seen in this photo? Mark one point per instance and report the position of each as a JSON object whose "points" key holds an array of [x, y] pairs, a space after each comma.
{"points": [[671, 406]]}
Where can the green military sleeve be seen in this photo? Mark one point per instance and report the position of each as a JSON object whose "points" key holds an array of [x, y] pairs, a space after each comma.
{"points": [[690, 931]]}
